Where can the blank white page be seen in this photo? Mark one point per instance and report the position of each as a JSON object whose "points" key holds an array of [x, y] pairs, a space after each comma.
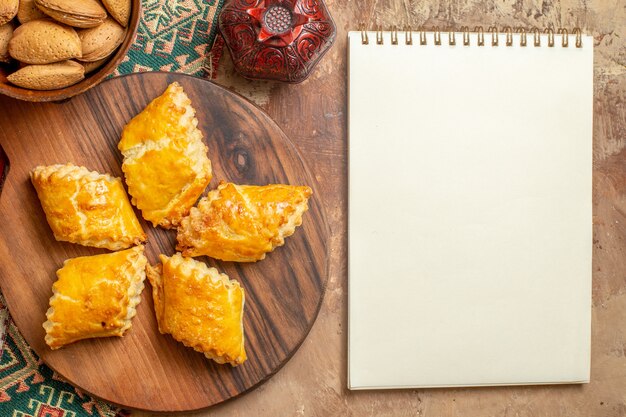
{"points": [[470, 212]]}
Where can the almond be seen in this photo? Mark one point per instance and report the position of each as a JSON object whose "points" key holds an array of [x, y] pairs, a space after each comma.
{"points": [[119, 10], [99, 42], [28, 11], [77, 13], [95, 65], [44, 42], [48, 77], [8, 10], [6, 32]]}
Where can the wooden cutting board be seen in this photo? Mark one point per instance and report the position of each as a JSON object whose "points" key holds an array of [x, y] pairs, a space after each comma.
{"points": [[147, 370]]}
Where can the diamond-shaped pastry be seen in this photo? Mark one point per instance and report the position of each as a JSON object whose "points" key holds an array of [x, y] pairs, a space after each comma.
{"points": [[95, 296], [199, 307], [165, 161], [242, 223], [87, 208]]}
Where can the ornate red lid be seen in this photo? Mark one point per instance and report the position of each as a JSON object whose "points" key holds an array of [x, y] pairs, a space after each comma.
{"points": [[276, 39]]}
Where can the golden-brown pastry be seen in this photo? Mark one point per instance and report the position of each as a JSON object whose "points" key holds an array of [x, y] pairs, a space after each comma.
{"points": [[95, 296], [87, 208], [242, 223], [165, 161], [199, 307]]}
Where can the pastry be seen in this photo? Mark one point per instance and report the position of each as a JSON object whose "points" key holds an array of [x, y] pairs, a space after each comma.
{"points": [[199, 307], [95, 296], [87, 208], [165, 161], [242, 222]]}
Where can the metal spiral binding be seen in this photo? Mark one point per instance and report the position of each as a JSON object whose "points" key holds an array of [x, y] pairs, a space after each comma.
{"points": [[466, 37], [536, 37], [481, 35], [579, 37], [564, 37], [495, 36], [509, 35], [408, 35], [508, 31], [550, 33], [394, 35], [522, 37]]}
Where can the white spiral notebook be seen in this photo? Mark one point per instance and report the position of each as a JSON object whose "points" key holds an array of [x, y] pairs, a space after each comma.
{"points": [[470, 208]]}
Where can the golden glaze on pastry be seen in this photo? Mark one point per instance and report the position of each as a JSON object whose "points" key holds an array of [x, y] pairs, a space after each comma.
{"points": [[165, 161], [199, 307], [87, 208], [242, 223], [95, 296]]}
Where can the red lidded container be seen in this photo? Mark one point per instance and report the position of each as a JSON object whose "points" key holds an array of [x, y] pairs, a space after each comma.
{"points": [[276, 39]]}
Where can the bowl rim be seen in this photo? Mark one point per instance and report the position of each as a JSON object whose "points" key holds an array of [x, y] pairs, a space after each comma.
{"points": [[88, 82]]}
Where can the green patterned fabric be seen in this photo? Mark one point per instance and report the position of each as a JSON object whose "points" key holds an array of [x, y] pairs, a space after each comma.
{"points": [[28, 388], [173, 36]]}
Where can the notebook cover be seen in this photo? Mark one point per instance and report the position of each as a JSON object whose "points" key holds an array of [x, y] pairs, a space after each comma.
{"points": [[470, 212]]}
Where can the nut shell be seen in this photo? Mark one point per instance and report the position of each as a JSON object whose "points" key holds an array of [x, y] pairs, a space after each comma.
{"points": [[6, 33], [119, 10], [44, 42], [49, 76], [99, 42], [95, 65], [28, 11], [8, 10], [77, 13]]}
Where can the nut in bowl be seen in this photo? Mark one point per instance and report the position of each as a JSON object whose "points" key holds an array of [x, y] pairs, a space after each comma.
{"points": [[52, 50]]}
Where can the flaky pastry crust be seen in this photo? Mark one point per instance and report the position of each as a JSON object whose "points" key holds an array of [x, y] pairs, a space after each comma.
{"points": [[242, 223], [87, 208], [199, 307], [165, 161], [95, 296]]}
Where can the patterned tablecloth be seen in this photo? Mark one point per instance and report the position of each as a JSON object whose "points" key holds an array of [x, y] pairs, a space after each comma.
{"points": [[174, 36]]}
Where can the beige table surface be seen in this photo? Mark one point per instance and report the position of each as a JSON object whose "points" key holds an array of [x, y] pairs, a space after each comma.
{"points": [[314, 114]]}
